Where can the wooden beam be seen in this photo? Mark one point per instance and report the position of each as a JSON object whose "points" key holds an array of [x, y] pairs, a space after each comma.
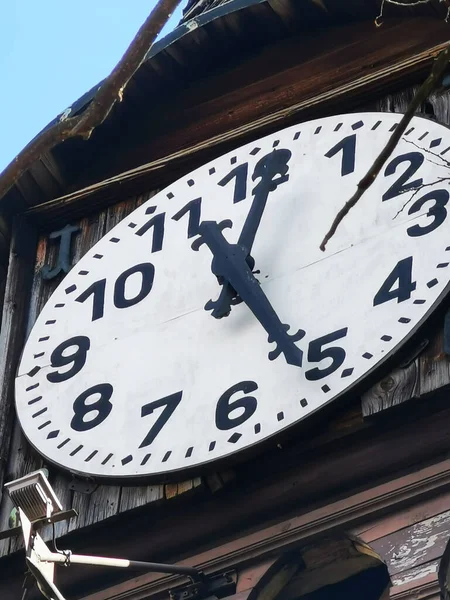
{"points": [[301, 78]]}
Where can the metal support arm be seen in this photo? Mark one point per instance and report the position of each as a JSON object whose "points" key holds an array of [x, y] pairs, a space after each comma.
{"points": [[100, 561]]}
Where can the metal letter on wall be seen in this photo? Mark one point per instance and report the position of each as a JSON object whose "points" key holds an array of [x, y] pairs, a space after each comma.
{"points": [[63, 259]]}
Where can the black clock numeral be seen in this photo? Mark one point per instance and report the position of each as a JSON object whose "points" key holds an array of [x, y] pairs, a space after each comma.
{"points": [[170, 403], [401, 186], [147, 271], [348, 147], [157, 224], [240, 175], [401, 273], [317, 353], [78, 358], [246, 405], [194, 209], [437, 211], [97, 290], [102, 407]]}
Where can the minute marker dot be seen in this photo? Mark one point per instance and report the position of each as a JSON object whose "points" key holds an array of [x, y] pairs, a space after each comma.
{"points": [[76, 450], [40, 412], [144, 460], [107, 459]]}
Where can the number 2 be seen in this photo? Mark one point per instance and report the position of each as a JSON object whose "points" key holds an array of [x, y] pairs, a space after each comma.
{"points": [[401, 186]]}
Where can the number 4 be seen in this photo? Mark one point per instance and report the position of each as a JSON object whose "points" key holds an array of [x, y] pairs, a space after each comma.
{"points": [[402, 273]]}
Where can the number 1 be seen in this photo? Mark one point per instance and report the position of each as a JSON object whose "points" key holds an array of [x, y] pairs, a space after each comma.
{"points": [[348, 147]]}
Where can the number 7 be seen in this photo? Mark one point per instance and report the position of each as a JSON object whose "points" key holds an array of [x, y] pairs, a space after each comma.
{"points": [[170, 403]]}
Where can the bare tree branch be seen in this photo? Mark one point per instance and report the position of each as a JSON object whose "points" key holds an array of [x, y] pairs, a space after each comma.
{"points": [[100, 106], [431, 83]]}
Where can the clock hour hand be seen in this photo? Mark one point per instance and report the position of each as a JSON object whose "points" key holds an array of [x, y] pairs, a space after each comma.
{"points": [[228, 296], [229, 262], [271, 170]]}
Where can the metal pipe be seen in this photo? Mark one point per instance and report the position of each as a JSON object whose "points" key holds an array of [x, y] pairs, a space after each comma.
{"points": [[120, 563]]}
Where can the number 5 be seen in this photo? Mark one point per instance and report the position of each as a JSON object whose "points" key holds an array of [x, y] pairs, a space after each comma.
{"points": [[316, 353]]}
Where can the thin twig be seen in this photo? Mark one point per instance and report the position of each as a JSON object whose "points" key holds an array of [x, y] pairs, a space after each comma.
{"points": [[378, 23], [416, 191], [431, 82], [428, 151], [110, 92]]}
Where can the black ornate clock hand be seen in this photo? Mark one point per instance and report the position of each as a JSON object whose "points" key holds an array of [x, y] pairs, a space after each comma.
{"points": [[272, 170], [230, 263]]}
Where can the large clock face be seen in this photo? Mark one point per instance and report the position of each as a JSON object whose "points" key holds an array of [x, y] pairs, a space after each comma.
{"points": [[127, 374]]}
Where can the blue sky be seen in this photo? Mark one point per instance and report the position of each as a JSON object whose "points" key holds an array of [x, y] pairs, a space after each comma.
{"points": [[51, 52]]}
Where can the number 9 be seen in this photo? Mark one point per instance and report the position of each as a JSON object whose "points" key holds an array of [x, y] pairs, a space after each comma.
{"points": [[78, 358]]}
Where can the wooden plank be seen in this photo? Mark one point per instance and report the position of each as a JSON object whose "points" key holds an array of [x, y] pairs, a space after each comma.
{"points": [[104, 501], [92, 508], [399, 386], [91, 230], [23, 246], [135, 496], [434, 365], [375, 530], [413, 546], [418, 582]]}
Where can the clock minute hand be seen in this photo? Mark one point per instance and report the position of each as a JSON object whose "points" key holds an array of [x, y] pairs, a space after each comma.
{"points": [[272, 170], [229, 262]]}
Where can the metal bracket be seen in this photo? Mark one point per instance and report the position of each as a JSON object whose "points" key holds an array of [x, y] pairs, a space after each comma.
{"points": [[413, 354], [213, 586], [83, 486], [55, 518]]}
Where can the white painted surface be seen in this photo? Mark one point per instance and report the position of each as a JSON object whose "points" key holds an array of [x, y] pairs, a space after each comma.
{"points": [[168, 343]]}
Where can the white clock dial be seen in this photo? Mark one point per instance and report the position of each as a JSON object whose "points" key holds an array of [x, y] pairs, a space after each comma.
{"points": [[126, 374]]}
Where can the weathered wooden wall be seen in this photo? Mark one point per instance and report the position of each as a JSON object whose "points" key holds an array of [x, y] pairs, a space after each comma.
{"points": [[100, 501], [424, 374]]}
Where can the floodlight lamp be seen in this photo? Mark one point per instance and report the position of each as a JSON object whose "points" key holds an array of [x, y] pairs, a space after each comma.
{"points": [[34, 495]]}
